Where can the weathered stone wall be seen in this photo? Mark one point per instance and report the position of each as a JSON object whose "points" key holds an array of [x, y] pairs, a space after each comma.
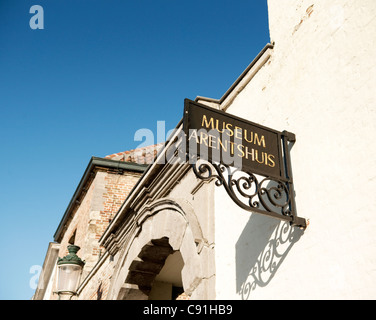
{"points": [[319, 83]]}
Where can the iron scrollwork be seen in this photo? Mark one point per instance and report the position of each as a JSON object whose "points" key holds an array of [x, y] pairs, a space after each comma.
{"points": [[265, 195]]}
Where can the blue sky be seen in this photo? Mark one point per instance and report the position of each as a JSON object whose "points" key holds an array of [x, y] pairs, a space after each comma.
{"points": [[81, 87]]}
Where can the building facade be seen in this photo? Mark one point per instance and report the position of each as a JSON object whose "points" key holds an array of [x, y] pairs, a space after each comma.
{"points": [[160, 232]]}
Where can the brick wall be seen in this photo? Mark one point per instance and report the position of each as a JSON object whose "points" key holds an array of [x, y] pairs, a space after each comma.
{"points": [[98, 286], [91, 216]]}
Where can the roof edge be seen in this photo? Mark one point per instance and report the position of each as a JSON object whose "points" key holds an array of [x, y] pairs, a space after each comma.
{"points": [[93, 163], [239, 79]]}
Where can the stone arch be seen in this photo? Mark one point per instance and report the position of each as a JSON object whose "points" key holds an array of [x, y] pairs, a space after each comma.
{"points": [[144, 268], [162, 229]]}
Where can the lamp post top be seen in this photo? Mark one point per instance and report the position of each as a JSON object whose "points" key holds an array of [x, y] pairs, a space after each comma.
{"points": [[71, 257]]}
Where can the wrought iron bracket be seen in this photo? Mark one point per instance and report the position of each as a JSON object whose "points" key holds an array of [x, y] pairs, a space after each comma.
{"points": [[270, 196]]}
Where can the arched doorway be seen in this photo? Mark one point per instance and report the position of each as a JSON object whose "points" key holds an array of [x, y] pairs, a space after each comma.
{"points": [[168, 284], [156, 273], [162, 258]]}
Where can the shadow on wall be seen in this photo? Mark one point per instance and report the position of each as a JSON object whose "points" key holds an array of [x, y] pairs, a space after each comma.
{"points": [[260, 251]]}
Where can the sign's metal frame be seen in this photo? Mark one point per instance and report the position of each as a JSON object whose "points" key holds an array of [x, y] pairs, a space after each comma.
{"points": [[252, 190]]}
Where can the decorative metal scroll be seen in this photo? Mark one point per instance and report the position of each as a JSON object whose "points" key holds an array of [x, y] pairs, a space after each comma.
{"points": [[265, 195]]}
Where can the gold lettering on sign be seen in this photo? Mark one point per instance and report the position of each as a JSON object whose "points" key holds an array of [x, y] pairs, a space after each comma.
{"points": [[238, 132], [241, 146]]}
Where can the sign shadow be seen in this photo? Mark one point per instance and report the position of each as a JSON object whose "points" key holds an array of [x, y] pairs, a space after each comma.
{"points": [[260, 250]]}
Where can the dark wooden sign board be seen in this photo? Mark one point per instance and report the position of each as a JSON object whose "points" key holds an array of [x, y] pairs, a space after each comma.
{"points": [[221, 137]]}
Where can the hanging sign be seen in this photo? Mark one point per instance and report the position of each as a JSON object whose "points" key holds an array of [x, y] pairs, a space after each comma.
{"points": [[221, 137]]}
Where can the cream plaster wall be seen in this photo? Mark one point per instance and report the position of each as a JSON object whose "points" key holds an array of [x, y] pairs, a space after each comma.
{"points": [[320, 83]]}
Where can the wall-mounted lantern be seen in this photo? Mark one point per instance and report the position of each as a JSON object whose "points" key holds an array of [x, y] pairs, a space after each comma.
{"points": [[69, 271]]}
